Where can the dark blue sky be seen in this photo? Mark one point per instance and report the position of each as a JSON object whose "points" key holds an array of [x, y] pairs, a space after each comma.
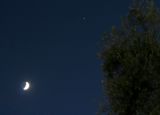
{"points": [[49, 44]]}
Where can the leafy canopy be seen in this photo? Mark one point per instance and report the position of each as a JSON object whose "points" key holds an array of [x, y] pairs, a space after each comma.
{"points": [[131, 62]]}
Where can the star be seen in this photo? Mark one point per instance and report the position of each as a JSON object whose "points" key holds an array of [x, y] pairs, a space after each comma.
{"points": [[84, 18]]}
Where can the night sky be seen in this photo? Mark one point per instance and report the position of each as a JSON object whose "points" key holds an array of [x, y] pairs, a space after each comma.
{"points": [[53, 45]]}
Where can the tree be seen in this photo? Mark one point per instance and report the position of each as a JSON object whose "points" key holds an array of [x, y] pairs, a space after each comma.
{"points": [[131, 62]]}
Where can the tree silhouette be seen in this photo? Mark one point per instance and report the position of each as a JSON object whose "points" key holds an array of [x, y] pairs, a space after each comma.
{"points": [[131, 62]]}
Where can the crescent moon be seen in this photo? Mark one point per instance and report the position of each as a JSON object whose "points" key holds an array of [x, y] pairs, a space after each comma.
{"points": [[27, 86]]}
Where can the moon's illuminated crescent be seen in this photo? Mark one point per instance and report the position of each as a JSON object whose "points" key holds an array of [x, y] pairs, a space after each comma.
{"points": [[27, 85]]}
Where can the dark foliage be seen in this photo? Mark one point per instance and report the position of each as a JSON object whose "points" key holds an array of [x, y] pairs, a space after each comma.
{"points": [[131, 62]]}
